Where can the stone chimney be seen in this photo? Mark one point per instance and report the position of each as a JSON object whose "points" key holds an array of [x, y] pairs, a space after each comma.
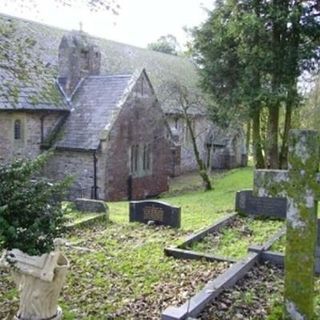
{"points": [[78, 58]]}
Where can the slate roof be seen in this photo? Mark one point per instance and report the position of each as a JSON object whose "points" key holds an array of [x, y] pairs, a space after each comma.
{"points": [[94, 106], [25, 83], [222, 137], [116, 58], [46, 97]]}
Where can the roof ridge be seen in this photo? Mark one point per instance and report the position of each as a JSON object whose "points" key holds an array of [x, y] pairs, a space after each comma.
{"points": [[93, 36], [110, 76]]}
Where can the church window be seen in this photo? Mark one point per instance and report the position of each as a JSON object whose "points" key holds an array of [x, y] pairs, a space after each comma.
{"points": [[17, 130], [146, 157], [140, 159], [176, 123]]}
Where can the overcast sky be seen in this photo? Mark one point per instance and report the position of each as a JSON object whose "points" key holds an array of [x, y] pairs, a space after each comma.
{"points": [[139, 21]]}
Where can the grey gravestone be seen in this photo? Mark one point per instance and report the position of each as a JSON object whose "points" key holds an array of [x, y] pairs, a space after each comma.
{"points": [[260, 206], [89, 205], [159, 212]]}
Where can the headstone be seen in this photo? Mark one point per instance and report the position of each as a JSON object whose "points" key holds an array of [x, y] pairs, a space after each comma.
{"points": [[90, 205], [300, 185], [159, 212], [246, 203]]}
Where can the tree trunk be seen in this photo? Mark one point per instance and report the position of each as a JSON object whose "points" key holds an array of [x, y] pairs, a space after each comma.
{"points": [[283, 157], [292, 96], [248, 138], [201, 165], [272, 137], [279, 13], [256, 142]]}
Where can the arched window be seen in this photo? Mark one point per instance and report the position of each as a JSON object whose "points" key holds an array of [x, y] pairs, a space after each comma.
{"points": [[17, 130]]}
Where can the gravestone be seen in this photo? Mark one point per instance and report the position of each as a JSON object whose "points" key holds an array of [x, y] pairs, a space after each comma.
{"points": [[90, 205], [159, 212], [246, 203], [300, 186]]}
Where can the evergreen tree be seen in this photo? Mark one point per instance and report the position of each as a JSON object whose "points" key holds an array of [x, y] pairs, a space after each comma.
{"points": [[251, 54], [31, 216]]}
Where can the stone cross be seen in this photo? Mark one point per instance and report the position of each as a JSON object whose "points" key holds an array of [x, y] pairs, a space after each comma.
{"points": [[299, 184]]}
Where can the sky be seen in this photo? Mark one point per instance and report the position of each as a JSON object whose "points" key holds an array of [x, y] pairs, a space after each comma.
{"points": [[139, 21]]}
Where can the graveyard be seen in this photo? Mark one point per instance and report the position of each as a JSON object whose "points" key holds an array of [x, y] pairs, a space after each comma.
{"points": [[121, 270], [153, 170]]}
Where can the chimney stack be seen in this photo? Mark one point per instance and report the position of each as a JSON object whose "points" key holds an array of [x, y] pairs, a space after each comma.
{"points": [[78, 58]]}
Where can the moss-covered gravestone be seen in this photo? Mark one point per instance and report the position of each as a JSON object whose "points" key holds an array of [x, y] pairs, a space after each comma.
{"points": [[300, 186]]}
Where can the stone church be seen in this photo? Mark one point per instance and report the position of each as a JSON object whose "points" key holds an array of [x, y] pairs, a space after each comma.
{"points": [[112, 126], [108, 131]]}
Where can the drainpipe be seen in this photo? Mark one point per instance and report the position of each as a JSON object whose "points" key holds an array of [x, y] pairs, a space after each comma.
{"points": [[94, 189], [129, 187]]}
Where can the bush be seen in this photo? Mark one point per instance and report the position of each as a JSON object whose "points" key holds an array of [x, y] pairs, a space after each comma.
{"points": [[31, 215]]}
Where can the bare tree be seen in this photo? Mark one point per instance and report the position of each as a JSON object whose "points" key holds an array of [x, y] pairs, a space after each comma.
{"points": [[190, 102]]}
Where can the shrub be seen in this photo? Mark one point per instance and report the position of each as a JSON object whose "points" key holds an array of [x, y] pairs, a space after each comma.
{"points": [[31, 215]]}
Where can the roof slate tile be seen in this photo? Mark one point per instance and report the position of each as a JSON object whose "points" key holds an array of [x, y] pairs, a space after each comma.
{"points": [[93, 106]]}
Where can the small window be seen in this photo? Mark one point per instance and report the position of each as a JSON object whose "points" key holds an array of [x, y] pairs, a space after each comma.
{"points": [[17, 130], [176, 123], [146, 157], [84, 54], [140, 160]]}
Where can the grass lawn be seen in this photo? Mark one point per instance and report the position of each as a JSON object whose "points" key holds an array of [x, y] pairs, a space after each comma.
{"points": [[233, 240], [125, 275], [199, 208], [279, 245], [79, 217], [120, 271]]}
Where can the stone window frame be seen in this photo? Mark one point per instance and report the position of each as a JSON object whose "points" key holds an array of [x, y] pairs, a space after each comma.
{"points": [[140, 156], [18, 130], [146, 164]]}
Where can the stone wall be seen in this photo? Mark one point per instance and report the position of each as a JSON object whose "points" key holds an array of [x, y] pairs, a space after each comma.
{"points": [[232, 155], [140, 122], [29, 144], [79, 165]]}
